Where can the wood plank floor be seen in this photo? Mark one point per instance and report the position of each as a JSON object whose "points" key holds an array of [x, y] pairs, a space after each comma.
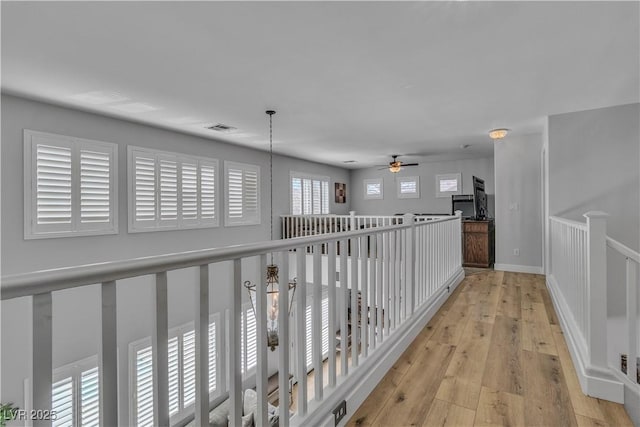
{"points": [[493, 355]]}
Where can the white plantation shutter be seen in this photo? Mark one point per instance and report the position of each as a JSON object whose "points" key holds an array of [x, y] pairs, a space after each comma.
{"points": [[207, 191], [174, 376], [189, 368], [90, 398], [169, 191], [95, 183], [309, 194], [248, 353], [243, 194], [296, 196], [189, 191], [325, 197], [70, 186], [409, 187], [324, 311], [53, 184], [212, 357], [143, 398], [62, 402]]}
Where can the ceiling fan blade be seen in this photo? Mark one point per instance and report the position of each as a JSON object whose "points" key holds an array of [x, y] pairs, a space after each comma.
{"points": [[410, 164]]}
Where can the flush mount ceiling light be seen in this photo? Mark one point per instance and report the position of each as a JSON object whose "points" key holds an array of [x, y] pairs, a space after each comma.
{"points": [[496, 134]]}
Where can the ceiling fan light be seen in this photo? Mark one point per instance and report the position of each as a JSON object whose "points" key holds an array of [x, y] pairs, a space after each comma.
{"points": [[498, 133], [395, 167]]}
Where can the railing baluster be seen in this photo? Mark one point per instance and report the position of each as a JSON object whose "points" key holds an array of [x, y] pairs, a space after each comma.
{"points": [[316, 323], [202, 347], [379, 274], [109, 356], [632, 319], [42, 354], [160, 350], [355, 339], [364, 304], [301, 319], [344, 321], [235, 374], [392, 279], [283, 338], [261, 342], [371, 311], [331, 266]]}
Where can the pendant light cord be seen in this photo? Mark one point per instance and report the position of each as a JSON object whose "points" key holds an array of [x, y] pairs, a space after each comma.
{"points": [[271, 113]]}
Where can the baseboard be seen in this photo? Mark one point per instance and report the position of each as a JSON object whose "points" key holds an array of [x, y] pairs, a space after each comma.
{"points": [[370, 371], [594, 381], [519, 268]]}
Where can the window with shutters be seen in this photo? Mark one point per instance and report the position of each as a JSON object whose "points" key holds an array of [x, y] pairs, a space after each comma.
{"points": [[248, 340], [373, 188], [324, 313], [408, 187], [242, 183], [182, 372], [70, 186], [171, 191], [75, 394], [309, 194]]}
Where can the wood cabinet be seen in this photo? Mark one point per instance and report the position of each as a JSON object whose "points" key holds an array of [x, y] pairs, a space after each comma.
{"points": [[478, 243]]}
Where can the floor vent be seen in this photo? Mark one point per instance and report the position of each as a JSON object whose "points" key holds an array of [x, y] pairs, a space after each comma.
{"points": [[623, 366]]}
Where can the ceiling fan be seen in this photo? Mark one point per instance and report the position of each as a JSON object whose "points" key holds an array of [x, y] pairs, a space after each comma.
{"points": [[396, 165]]}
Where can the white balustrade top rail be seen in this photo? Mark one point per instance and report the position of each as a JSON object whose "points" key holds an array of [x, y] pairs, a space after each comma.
{"points": [[624, 250], [21, 285]]}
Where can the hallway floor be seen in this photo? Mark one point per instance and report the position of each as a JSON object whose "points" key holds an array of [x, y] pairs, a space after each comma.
{"points": [[494, 354]]}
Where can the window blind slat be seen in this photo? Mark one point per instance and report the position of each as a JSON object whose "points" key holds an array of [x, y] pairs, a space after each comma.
{"points": [[90, 398], [95, 186], [53, 185]]}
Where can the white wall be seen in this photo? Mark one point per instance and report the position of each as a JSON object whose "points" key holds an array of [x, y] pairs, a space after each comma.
{"points": [[427, 171], [518, 203], [594, 165], [76, 318]]}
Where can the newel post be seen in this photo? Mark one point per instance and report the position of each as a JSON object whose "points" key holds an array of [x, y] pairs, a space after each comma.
{"points": [[597, 287], [352, 220], [410, 262]]}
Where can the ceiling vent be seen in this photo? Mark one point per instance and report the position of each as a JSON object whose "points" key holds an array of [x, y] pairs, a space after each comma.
{"points": [[221, 128]]}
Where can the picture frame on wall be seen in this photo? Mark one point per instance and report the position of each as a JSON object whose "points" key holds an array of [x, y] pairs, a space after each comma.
{"points": [[341, 192]]}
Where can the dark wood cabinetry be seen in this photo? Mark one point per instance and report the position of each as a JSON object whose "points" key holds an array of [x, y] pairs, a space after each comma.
{"points": [[478, 242]]}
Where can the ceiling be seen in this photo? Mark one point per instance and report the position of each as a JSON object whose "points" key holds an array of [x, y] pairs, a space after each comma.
{"points": [[349, 80]]}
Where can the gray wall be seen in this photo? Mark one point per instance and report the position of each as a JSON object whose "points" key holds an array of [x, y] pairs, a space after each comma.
{"points": [[19, 255], [594, 165], [427, 171], [519, 201], [76, 320]]}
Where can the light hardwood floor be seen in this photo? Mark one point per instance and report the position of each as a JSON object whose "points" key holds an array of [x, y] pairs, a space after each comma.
{"points": [[493, 355]]}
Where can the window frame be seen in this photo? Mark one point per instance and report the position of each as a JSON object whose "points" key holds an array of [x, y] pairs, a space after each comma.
{"points": [[32, 230], [448, 176], [179, 223], [176, 332], [367, 182], [414, 195], [325, 198], [75, 370], [245, 167]]}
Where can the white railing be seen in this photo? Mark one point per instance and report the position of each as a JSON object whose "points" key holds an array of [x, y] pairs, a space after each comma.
{"points": [[399, 273], [577, 279], [631, 274], [312, 225]]}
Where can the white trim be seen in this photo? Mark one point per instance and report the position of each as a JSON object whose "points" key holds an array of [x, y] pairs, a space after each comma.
{"points": [[367, 182], [401, 195], [519, 268], [448, 176], [76, 228], [600, 383]]}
